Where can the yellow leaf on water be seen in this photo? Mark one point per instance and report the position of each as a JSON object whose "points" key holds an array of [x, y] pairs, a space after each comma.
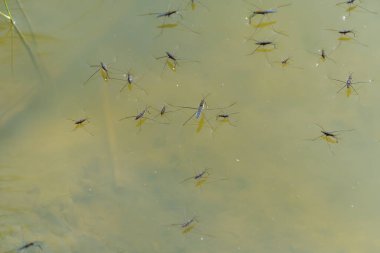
{"points": [[169, 25], [264, 24], [201, 123], [348, 91], [351, 8], [104, 74], [264, 50], [140, 122], [330, 139], [200, 182], [171, 65], [344, 38], [188, 229]]}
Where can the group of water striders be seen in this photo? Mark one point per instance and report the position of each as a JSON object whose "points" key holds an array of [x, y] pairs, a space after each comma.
{"points": [[344, 36], [259, 18], [169, 20], [160, 116], [171, 62], [149, 113]]}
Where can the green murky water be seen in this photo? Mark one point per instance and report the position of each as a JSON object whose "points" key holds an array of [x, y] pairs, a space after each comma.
{"points": [[271, 183]]}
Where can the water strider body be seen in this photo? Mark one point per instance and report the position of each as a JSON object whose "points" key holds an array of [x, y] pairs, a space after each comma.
{"points": [[264, 12], [225, 118], [31, 244], [263, 43], [204, 173], [81, 122], [167, 14]]}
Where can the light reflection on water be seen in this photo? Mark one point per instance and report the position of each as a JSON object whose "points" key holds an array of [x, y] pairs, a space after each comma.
{"points": [[118, 186]]}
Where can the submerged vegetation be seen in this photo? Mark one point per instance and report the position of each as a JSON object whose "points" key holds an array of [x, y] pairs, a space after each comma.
{"points": [[13, 32]]}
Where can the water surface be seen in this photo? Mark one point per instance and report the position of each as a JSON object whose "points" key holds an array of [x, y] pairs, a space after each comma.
{"points": [[114, 187]]}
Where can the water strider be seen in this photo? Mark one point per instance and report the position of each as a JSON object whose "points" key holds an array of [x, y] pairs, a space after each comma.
{"points": [[199, 178], [104, 72], [188, 225], [198, 110], [346, 35], [352, 5], [202, 178], [287, 63], [31, 244], [225, 118], [330, 137], [172, 61], [264, 13], [323, 56], [23, 248], [81, 123], [162, 113], [141, 117], [262, 46], [348, 84], [130, 81], [171, 24]]}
